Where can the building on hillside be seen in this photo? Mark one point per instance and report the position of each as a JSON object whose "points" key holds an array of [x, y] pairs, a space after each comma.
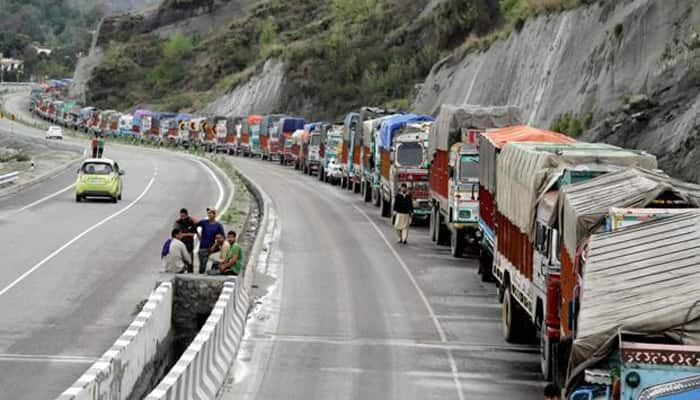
{"points": [[42, 50], [10, 66]]}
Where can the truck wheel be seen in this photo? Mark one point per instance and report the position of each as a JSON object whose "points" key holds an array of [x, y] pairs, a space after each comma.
{"points": [[376, 197], [282, 160], [515, 323], [432, 225], [443, 233], [343, 183], [367, 192], [485, 266], [357, 187], [457, 243], [546, 352], [386, 207]]}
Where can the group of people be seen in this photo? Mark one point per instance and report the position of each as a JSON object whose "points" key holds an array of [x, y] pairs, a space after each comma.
{"points": [[219, 252], [97, 143]]}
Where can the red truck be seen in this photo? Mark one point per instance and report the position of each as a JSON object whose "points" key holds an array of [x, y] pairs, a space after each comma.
{"points": [[286, 150], [526, 266], [269, 136]]}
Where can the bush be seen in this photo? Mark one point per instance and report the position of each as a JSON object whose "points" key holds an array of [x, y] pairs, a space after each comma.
{"points": [[571, 124]]}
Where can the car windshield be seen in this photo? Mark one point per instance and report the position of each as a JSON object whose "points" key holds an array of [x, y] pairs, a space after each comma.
{"points": [[97, 168], [409, 154], [315, 140], [468, 168]]}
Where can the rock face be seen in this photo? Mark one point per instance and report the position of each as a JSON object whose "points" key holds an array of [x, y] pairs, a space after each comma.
{"points": [[261, 94], [634, 66]]}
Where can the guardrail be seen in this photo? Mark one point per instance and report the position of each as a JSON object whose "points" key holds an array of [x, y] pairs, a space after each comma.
{"points": [[8, 178]]}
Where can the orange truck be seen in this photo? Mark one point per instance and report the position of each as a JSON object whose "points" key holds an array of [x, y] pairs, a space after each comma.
{"points": [[249, 143]]}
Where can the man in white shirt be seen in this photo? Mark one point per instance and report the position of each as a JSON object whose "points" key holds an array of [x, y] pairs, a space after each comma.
{"points": [[178, 258]]}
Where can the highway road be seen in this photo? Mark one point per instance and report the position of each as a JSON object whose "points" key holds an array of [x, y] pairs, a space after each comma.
{"points": [[354, 315], [73, 274]]}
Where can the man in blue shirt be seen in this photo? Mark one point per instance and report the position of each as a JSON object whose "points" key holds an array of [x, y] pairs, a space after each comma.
{"points": [[210, 227]]}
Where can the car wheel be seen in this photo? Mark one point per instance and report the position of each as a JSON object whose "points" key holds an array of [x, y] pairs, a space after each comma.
{"points": [[114, 199], [120, 196], [78, 198]]}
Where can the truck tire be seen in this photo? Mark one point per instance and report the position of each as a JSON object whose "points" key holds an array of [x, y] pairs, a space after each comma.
{"points": [[376, 197], [344, 183], [367, 192], [515, 322], [546, 353], [386, 207], [432, 231], [457, 243], [442, 237], [357, 187], [485, 266]]}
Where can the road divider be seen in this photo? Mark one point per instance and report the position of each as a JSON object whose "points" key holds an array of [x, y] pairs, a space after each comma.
{"points": [[117, 372], [9, 178]]}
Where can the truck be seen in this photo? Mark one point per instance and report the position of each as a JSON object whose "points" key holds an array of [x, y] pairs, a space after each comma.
{"points": [[454, 171], [637, 322], [299, 142], [607, 203], [350, 148], [226, 130], [332, 145], [367, 160], [401, 157], [288, 125], [86, 114], [361, 149], [160, 120], [126, 125], [527, 266], [269, 135], [249, 145], [490, 146]]}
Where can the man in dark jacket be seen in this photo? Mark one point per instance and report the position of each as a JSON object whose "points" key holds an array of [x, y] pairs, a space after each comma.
{"points": [[403, 212], [188, 227]]}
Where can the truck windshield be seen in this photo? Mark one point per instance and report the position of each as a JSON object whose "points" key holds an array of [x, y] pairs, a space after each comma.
{"points": [[315, 140], [468, 168], [255, 130], [409, 154]]}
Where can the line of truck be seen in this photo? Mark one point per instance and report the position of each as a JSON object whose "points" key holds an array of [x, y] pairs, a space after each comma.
{"points": [[592, 249]]}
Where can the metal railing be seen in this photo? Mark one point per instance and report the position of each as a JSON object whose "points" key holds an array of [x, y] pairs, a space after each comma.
{"points": [[8, 178]]}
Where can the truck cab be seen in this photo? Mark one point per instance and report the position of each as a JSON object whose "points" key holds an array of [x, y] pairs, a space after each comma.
{"points": [[409, 165], [333, 150], [463, 190]]}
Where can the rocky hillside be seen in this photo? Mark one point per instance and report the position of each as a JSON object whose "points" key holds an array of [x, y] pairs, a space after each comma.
{"points": [[624, 72]]}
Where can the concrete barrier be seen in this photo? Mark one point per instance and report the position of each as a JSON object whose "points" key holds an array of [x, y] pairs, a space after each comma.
{"points": [[200, 372], [115, 374]]}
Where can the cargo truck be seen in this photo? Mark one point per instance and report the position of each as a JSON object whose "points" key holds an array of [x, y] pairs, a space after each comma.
{"points": [[529, 177], [490, 145], [269, 135], [361, 149], [367, 156], [226, 130], [454, 171], [288, 125], [610, 202], [333, 146], [250, 136], [638, 320], [350, 149], [305, 149], [402, 158], [317, 147]]}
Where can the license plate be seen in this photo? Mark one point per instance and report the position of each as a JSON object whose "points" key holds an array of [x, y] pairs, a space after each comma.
{"points": [[95, 180]]}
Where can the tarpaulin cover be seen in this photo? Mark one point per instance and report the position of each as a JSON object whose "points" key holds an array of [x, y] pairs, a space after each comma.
{"points": [[582, 207], [451, 120], [370, 126], [351, 118], [394, 124], [183, 117], [643, 280], [492, 141], [141, 113], [526, 171], [289, 125]]}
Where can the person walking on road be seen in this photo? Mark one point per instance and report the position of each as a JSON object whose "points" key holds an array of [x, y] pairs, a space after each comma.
{"points": [[93, 145], [403, 213], [552, 392], [100, 146], [188, 228], [178, 259], [233, 261], [210, 227]]}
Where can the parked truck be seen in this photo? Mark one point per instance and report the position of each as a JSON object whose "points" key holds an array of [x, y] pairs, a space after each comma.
{"points": [[367, 156], [361, 149], [490, 146], [529, 177], [614, 201], [226, 130], [288, 125], [305, 153], [332, 139], [350, 148], [401, 157], [250, 136], [638, 320], [454, 171], [269, 135]]}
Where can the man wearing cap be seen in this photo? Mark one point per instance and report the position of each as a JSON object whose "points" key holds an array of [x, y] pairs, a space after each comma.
{"points": [[210, 227], [188, 228]]}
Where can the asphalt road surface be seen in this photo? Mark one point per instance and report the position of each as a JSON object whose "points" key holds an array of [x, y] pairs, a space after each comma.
{"points": [[73, 273], [354, 315]]}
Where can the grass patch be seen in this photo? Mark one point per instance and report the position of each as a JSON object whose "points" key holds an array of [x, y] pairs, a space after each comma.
{"points": [[572, 124]]}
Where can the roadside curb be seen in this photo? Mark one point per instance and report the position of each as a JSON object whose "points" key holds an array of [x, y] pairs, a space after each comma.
{"points": [[14, 189]]}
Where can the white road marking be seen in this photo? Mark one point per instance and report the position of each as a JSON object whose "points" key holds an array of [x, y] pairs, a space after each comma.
{"points": [[438, 327], [79, 236], [220, 186], [47, 358], [43, 199]]}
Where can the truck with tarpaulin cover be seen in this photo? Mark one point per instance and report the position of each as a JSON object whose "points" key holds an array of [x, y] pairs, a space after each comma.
{"points": [[369, 146], [55, 111], [332, 139], [183, 130], [361, 176], [207, 133], [287, 127], [158, 121], [86, 114], [309, 153], [529, 177], [126, 125], [226, 134], [637, 328], [490, 146], [107, 119], [195, 137], [609, 202], [73, 118], [350, 147], [299, 140], [249, 145], [141, 123], [401, 157], [269, 135], [454, 171]]}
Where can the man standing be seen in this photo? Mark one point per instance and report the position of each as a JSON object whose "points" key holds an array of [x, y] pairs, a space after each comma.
{"points": [[93, 144], [178, 259], [403, 212], [233, 263], [210, 227], [100, 146], [188, 228]]}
